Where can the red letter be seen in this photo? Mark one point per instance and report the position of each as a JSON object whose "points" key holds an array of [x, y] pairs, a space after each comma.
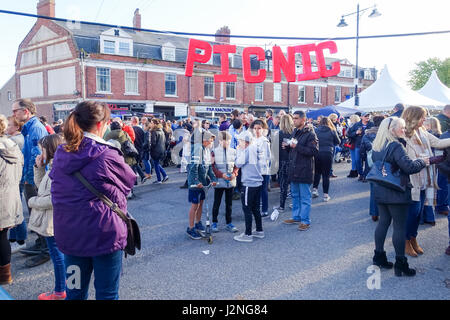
{"points": [[280, 62], [336, 66], [307, 74], [193, 56], [246, 65], [224, 50]]}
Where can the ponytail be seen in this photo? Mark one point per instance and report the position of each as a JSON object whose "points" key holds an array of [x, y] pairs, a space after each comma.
{"points": [[84, 117], [72, 134]]}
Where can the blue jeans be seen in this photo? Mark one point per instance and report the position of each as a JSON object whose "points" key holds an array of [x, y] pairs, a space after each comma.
{"points": [[58, 264], [413, 220], [358, 161], [159, 170], [301, 202], [19, 232], [148, 167], [442, 193], [373, 209], [353, 157], [448, 217], [107, 269], [427, 214], [265, 193]]}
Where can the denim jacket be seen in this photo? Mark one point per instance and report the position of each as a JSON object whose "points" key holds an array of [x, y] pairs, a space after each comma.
{"points": [[200, 168]]}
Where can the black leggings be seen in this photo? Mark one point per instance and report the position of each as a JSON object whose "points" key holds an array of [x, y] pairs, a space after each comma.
{"points": [[218, 192], [392, 212], [284, 182], [251, 197], [5, 248], [322, 168]]}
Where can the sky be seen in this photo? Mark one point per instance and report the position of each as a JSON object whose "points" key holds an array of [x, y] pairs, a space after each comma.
{"points": [[293, 18]]}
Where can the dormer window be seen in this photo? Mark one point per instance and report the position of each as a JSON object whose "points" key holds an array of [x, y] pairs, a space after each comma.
{"points": [[115, 41], [168, 52]]}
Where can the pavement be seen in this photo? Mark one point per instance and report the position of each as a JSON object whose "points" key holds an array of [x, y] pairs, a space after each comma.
{"points": [[329, 261]]}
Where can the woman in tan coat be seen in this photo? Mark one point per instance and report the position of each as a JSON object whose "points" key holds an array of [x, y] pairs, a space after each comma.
{"points": [[418, 146], [11, 214]]}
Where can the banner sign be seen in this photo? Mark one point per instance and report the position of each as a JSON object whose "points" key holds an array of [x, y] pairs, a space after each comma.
{"points": [[280, 62]]}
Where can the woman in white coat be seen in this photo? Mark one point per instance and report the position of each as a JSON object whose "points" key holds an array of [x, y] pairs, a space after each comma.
{"points": [[11, 214]]}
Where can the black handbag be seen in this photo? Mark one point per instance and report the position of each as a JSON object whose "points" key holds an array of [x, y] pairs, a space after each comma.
{"points": [[134, 234], [382, 174], [129, 149]]}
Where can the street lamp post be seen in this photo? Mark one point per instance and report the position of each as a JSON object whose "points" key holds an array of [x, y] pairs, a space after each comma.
{"points": [[342, 23]]}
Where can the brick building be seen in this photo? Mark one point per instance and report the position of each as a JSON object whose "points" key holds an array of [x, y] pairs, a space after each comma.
{"points": [[59, 64]]}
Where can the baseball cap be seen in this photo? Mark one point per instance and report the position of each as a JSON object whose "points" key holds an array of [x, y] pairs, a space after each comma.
{"points": [[365, 114]]}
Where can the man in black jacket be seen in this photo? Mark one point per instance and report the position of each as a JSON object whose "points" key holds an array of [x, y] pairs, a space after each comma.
{"points": [[303, 147]]}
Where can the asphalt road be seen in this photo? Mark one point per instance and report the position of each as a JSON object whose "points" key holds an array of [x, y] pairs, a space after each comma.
{"points": [[329, 261]]}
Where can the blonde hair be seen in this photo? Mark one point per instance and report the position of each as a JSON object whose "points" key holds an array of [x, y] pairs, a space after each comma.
{"points": [[412, 116], [385, 134], [354, 118], [286, 124], [435, 125], [333, 117], [3, 124]]}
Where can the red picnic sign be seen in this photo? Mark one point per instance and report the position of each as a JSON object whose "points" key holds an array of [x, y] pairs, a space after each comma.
{"points": [[280, 62]]}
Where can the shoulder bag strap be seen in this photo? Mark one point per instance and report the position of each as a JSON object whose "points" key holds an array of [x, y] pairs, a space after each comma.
{"points": [[102, 197]]}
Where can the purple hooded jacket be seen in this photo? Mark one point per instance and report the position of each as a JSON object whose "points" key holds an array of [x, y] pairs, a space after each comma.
{"points": [[84, 226]]}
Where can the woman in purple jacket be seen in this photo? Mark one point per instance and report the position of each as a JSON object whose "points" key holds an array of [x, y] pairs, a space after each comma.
{"points": [[89, 233]]}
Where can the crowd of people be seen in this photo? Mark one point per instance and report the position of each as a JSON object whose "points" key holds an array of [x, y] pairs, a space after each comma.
{"points": [[242, 157]]}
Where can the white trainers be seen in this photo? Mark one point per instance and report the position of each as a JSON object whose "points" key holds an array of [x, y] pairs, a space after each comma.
{"points": [[243, 238], [274, 215], [326, 198], [258, 234], [315, 193], [15, 247]]}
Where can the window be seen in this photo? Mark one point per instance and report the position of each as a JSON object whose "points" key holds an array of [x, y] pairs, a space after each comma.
{"points": [[317, 95], [109, 47], [9, 96], [277, 92], [171, 84], [131, 81], [103, 80], [367, 74], [259, 91], [231, 60], [348, 73], [168, 53], [209, 87], [231, 90], [124, 48], [301, 94], [337, 94]]}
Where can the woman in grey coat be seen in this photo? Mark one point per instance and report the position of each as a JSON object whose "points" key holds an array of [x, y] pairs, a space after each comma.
{"points": [[11, 164]]}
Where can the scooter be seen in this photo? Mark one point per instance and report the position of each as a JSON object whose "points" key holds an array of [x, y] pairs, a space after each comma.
{"points": [[207, 234]]}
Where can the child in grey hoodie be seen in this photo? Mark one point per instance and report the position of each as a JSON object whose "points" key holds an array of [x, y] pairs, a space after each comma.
{"points": [[247, 158]]}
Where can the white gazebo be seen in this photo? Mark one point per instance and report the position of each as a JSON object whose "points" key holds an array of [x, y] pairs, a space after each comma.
{"points": [[385, 93], [435, 89]]}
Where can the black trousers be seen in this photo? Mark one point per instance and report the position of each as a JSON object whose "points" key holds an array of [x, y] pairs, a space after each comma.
{"points": [[218, 193], [251, 197], [284, 182], [5, 248], [322, 168]]}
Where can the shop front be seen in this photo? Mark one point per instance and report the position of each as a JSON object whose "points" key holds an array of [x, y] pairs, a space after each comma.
{"points": [[62, 110], [213, 112], [260, 111]]}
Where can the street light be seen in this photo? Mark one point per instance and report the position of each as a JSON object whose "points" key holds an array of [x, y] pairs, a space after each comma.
{"points": [[342, 23]]}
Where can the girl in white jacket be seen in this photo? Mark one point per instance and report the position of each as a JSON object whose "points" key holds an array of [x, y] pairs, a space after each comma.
{"points": [[41, 218]]}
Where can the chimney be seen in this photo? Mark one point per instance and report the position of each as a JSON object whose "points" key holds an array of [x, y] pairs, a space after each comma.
{"points": [[46, 8], [223, 30], [137, 19]]}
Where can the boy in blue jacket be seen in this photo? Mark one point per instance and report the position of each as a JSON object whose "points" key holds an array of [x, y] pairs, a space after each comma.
{"points": [[200, 174]]}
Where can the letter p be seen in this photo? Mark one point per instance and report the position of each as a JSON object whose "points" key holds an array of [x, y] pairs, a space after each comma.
{"points": [[193, 56]]}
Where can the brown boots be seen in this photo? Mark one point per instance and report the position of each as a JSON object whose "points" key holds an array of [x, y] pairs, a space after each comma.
{"points": [[5, 274], [412, 248]]}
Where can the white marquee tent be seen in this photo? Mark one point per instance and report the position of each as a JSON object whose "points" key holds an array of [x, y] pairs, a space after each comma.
{"points": [[435, 89], [385, 93]]}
